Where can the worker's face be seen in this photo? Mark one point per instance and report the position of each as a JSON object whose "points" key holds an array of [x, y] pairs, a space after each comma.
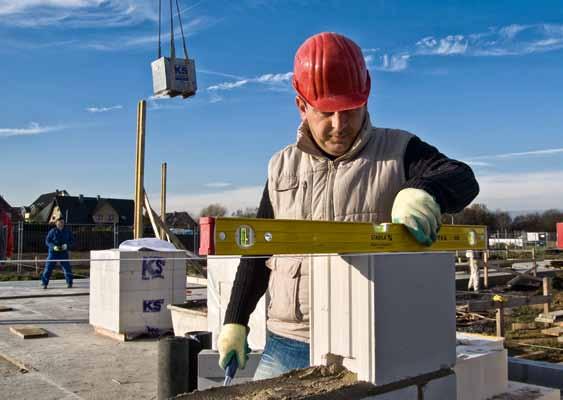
{"points": [[334, 132], [60, 224]]}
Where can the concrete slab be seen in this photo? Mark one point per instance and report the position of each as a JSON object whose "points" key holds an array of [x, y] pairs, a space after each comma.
{"points": [[73, 362], [16, 289], [523, 391], [29, 332]]}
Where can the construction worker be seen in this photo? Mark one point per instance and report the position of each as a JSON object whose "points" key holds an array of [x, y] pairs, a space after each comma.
{"points": [[6, 236], [340, 169], [59, 240]]}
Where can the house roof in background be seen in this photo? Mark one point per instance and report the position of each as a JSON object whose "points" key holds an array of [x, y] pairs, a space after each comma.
{"points": [[46, 198], [77, 210], [4, 205], [125, 208], [180, 219]]}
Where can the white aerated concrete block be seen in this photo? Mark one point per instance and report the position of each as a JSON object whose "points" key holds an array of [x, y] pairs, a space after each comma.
{"points": [[221, 273], [481, 366], [129, 290], [390, 316]]}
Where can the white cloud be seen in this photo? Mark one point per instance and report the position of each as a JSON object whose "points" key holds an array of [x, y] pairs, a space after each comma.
{"points": [[33, 129], [526, 191], [76, 13], [229, 85], [104, 109], [477, 163], [452, 44], [233, 199], [543, 152], [393, 62], [218, 184], [215, 98], [512, 30], [273, 80], [510, 40], [195, 25]]}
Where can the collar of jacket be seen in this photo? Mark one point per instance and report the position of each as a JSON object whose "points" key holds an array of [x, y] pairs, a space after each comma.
{"points": [[307, 144]]}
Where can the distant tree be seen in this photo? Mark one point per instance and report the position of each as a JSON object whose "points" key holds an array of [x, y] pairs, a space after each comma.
{"points": [[527, 222], [476, 214], [550, 218], [501, 221], [213, 210], [248, 212]]}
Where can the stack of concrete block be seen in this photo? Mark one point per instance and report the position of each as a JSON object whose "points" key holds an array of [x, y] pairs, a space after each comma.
{"points": [[221, 273], [388, 316], [481, 367], [129, 290]]}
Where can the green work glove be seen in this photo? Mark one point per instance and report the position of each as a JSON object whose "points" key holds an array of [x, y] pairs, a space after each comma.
{"points": [[56, 248], [419, 212], [232, 342]]}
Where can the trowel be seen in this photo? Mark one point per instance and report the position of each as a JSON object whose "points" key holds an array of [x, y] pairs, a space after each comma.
{"points": [[230, 370]]}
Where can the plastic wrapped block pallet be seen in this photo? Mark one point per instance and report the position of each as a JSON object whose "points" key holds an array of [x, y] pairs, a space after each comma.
{"points": [[129, 290], [221, 273], [389, 316]]}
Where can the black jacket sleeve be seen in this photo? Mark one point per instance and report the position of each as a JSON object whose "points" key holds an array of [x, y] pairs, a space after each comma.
{"points": [[451, 182], [251, 280]]}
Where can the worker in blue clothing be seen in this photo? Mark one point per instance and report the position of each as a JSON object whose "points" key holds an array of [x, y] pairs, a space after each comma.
{"points": [[59, 240]]}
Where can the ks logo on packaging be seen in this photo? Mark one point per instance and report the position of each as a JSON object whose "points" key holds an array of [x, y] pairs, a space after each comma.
{"points": [[152, 305], [153, 268]]}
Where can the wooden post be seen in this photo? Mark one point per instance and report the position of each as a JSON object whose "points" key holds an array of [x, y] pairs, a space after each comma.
{"points": [[500, 320], [534, 262], [486, 269], [140, 170], [36, 267], [546, 290], [163, 199]]}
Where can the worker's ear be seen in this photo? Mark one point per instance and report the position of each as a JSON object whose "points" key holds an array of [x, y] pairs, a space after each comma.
{"points": [[301, 107]]}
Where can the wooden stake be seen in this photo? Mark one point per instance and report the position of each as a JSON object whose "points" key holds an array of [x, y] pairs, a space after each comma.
{"points": [[163, 198], [546, 290], [140, 169], [534, 263], [500, 320], [486, 269]]}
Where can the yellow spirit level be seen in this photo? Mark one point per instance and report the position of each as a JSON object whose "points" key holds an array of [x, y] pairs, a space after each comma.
{"points": [[253, 236]]}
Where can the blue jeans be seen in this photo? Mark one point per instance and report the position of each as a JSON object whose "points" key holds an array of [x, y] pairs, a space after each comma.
{"points": [[281, 355], [52, 260]]}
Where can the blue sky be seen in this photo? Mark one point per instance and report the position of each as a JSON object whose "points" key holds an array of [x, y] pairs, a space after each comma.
{"points": [[482, 81]]}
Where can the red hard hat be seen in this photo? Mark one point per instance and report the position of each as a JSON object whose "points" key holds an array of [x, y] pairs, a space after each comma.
{"points": [[330, 73]]}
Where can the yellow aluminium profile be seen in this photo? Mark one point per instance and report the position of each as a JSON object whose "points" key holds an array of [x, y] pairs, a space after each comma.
{"points": [[241, 236]]}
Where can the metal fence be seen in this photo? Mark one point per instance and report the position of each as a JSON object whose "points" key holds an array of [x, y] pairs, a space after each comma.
{"points": [[30, 238]]}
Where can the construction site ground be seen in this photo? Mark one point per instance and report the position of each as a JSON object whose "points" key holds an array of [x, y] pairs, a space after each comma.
{"points": [[525, 342], [72, 362]]}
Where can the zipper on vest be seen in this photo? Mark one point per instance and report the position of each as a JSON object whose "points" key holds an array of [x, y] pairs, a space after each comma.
{"points": [[330, 191]]}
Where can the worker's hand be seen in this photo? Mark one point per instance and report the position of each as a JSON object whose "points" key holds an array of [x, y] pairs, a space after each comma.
{"points": [[419, 212], [232, 343], [64, 247], [56, 248]]}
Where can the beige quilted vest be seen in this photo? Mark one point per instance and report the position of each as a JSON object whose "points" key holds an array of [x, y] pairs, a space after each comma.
{"points": [[304, 184]]}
